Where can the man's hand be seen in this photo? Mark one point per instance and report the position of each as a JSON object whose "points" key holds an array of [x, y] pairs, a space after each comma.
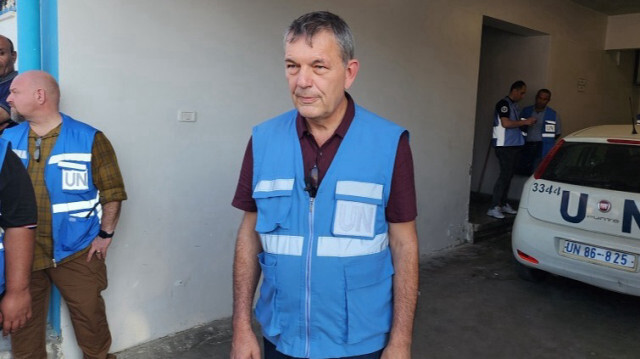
{"points": [[244, 345], [396, 352], [15, 310], [530, 121], [99, 247]]}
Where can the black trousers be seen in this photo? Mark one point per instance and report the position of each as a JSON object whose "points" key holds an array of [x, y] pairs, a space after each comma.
{"points": [[507, 158], [270, 352], [529, 158]]}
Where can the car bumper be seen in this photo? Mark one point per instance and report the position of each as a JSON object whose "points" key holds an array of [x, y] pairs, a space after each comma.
{"points": [[541, 240]]}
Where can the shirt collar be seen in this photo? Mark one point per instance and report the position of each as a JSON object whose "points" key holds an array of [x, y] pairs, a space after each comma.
{"points": [[53, 133], [341, 131]]}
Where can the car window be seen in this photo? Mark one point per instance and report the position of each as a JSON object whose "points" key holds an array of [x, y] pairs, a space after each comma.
{"points": [[600, 165]]}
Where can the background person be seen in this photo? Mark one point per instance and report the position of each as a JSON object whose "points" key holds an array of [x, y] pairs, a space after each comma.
{"points": [[508, 139], [79, 190], [18, 216], [8, 57], [542, 135]]}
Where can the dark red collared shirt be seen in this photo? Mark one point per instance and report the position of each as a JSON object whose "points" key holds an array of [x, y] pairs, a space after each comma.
{"points": [[402, 199]]}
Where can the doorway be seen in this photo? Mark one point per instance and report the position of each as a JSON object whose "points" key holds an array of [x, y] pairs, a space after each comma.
{"points": [[508, 53]]}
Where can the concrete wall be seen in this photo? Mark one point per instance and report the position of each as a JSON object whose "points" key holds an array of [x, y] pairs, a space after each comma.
{"points": [[622, 32], [128, 67]]}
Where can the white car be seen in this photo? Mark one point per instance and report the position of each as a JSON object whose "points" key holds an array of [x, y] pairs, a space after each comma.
{"points": [[579, 213]]}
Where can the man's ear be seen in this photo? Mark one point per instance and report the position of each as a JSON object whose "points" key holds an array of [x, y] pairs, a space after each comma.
{"points": [[351, 72]]}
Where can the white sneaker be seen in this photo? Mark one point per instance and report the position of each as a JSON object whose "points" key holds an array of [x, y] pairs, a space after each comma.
{"points": [[507, 209], [495, 212]]}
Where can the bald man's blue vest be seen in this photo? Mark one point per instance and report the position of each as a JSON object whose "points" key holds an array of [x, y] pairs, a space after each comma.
{"points": [[4, 145], [327, 268], [548, 128], [75, 205]]}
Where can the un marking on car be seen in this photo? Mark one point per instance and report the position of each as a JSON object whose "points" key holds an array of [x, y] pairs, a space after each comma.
{"points": [[598, 255]]}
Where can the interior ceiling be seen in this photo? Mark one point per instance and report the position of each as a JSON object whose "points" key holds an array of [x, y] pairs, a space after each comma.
{"points": [[612, 7]]}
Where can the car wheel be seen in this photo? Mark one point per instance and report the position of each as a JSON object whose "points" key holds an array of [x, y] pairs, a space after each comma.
{"points": [[529, 274]]}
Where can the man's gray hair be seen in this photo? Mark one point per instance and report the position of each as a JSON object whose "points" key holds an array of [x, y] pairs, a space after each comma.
{"points": [[310, 24]]}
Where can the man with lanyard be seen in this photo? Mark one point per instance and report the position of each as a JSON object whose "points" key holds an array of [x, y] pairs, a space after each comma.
{"points": [[18, 216], [79, 190], [329, 200], [542, 135], [8, 57], [508, 140]]}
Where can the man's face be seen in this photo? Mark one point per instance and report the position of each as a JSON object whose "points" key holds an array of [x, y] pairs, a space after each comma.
{"points": [[7, 58], [317, 75], [542, 99], [518, 94], [21, 97]]}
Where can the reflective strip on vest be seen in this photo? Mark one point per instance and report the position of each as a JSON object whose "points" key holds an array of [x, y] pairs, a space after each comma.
{"points": [[1, 246], [87, 214], [548, 135], [281, 244], [499, 135], [81, 157], [75, 166], [285, 184], [359, 189], [351, 247], [20, 153], [74, 206]]}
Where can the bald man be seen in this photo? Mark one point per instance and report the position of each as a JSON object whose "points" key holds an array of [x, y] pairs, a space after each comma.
{"points": [[8, 57], [79, 190]]}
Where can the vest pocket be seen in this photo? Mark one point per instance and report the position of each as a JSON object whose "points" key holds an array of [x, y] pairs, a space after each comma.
{"points": [[357, 206], [266, 307], [274, 201], [74, 231], [369, 282]]}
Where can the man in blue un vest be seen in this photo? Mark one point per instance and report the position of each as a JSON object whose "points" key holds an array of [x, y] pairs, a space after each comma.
{"points": [[509, 131], [329, 201], [18, 216], [542, 135], [79, 190]]}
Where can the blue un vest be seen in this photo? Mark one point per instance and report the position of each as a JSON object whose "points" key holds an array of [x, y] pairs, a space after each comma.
{"points": [[4, 145], [506, 137], [548, 128], [75, 205], [327, 287]]}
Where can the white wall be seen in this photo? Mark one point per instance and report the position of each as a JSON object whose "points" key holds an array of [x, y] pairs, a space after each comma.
{"points": [[127, 67], [622, 32]]}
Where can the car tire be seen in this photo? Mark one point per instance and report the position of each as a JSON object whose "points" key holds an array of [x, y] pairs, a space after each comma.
{"points": [[530, 274]]}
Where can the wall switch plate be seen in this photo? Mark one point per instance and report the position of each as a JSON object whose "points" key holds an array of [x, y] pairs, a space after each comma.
{"points": [[186, 116]]}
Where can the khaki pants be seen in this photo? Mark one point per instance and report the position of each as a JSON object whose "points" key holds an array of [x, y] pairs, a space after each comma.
{"points": [[80, 284]]}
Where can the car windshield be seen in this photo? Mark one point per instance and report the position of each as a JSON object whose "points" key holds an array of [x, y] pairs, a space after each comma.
{"points": [[600, 165]]}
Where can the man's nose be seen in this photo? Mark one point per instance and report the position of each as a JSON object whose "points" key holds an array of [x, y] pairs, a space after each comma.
{"points": [[304, 78]]}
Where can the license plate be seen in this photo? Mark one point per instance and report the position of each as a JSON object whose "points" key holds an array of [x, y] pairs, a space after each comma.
{"points": [[598, 255]]}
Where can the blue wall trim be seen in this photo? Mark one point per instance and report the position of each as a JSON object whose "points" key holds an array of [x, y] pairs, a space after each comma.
{"points": [[29, 54], [49, 16], [38, 50]]}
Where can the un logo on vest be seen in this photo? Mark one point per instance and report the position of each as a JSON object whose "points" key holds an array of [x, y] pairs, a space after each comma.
{"points": [[75, 180], [354, 219]]}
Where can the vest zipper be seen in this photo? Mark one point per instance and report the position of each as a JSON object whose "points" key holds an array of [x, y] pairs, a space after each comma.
{"points": [[308, 281]]}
